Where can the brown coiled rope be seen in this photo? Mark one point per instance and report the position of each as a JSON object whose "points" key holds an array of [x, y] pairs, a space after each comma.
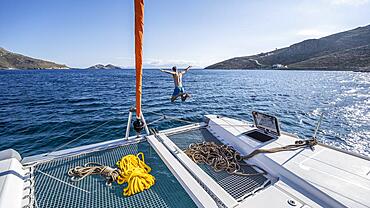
{"points": [[80, 172], [219, 157], [223, 157]]}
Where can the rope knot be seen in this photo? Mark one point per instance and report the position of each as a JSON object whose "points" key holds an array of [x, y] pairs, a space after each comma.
{"points": [[310, 142]]}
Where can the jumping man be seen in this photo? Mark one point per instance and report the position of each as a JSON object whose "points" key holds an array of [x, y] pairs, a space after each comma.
{"points": [[177, 78]]}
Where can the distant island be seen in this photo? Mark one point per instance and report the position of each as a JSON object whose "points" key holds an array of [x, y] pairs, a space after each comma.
{"points": [[349, 50], [101, 66], [9, 60]]}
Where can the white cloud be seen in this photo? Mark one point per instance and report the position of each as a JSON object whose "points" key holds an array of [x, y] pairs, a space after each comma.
{"points": [[158, 63], [349, 2], [128, 62]]}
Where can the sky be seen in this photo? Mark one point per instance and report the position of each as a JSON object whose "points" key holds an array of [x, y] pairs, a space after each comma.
{"points": [[81, 33]]}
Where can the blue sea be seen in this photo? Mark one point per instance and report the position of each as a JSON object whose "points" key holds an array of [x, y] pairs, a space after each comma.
{"points": [[40, 110]]}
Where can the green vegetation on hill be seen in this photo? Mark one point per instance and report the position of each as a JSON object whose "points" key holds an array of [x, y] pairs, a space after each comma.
{"points": [[9, 60], [349, 50]]}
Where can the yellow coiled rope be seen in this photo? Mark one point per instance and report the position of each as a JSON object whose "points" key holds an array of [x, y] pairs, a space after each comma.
{"points": [[135, 173]]}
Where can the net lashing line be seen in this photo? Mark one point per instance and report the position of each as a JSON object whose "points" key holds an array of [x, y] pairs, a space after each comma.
{"points": [[131, 170], [220, 158]]}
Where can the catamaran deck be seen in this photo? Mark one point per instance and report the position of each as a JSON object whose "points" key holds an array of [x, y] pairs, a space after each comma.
{"points": [[299, 178], [52, 186]]}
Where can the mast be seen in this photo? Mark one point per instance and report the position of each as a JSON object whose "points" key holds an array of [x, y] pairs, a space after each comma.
{"points": [[139, 124], [139, 35]]}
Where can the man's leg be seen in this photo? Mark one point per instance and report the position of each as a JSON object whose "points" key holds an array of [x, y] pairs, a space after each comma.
{"points": [[185, 96], [175, 94], [173, 98]]}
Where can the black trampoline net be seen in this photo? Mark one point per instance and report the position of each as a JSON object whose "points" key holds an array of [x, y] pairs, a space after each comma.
{"points": [[237, 186], [53, 187]]}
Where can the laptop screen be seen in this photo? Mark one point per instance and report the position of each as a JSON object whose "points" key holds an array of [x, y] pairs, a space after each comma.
{"points": [[266, 122]]}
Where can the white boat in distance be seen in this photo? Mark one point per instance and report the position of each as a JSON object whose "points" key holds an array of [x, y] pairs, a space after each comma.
{"points": [[274, 168]]}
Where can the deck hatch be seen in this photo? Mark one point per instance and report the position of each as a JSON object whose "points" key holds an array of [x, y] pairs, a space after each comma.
{"points": [[259, 136], [92, 191], [266, 123]]}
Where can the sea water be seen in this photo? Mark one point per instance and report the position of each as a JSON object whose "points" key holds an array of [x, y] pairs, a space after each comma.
{"points": [[40, 110]]}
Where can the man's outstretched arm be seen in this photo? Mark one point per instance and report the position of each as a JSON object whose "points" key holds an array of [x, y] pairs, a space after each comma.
{"points": [[168, 72], [186, 70]]}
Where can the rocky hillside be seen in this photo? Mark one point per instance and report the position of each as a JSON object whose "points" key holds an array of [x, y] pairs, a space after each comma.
{"points": [[101, 66], [9, 60], [347, 50]]}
